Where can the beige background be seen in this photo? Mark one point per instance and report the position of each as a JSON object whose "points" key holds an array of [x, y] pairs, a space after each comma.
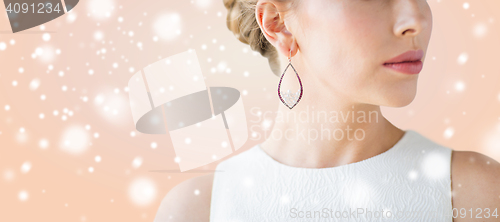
{"points": [[458, 101]]}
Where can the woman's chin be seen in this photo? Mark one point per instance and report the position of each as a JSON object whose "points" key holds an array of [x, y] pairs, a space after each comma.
{"points": [[400, 100]]}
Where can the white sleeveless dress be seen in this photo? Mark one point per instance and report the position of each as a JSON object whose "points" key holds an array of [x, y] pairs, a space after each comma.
{"points": [[409, 182]]}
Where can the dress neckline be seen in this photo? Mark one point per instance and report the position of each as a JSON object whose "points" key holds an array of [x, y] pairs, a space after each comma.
{"points": [[400, 143]]}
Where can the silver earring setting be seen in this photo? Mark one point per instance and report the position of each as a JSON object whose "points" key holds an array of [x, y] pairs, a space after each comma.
{"points": [[289, 98]]}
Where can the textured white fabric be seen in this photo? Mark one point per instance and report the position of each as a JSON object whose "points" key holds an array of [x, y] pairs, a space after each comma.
{"points": [[409, 182]]}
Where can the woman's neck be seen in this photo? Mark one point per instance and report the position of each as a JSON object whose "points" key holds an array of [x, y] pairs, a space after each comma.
{"points": [[327, 135]]}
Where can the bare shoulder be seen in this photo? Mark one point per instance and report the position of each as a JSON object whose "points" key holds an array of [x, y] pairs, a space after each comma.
{"points": [[476, 186], [188, 201]]}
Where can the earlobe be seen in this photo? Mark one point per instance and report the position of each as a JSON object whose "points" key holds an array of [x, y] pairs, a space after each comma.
{"points": [[294, 48], [286, 31], [291, 49]]}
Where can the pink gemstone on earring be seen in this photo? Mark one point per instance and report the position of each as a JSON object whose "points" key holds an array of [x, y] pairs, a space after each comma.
{"points": [[290, 99]]}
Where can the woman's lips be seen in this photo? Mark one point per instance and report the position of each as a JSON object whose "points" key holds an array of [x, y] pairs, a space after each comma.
{"points": [[413, 67]]}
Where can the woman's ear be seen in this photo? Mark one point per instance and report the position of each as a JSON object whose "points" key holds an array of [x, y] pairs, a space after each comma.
{"points": [[271, 22]]}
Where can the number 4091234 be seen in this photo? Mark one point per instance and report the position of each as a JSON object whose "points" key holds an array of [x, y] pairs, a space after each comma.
{"points": [[39, 8]]}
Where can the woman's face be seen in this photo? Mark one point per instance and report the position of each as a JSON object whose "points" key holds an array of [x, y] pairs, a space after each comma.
{"points": [[343, 44]]}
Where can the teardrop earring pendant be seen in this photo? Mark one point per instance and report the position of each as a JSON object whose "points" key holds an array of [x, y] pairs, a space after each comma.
{"points": [[288, 98]]}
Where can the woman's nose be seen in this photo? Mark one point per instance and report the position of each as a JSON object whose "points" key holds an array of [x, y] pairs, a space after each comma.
{"points": [[412, 16]]}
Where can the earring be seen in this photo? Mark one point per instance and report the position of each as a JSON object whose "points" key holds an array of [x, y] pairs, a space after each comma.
{"points": [[290, 99]]}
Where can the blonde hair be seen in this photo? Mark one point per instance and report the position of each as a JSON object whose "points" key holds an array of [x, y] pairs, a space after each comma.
{"points": [[242, 22]]}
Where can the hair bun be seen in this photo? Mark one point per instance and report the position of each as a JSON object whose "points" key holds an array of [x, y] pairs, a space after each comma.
{"points": [[229, 3], [234, 16]]}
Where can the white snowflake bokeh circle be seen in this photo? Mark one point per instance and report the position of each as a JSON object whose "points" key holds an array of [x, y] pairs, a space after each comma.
{"points": [[435, 165], [45, 53], [203, 3], [111, 106], [74, 140], [100, 9], [168, 26], [142, 191]]}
